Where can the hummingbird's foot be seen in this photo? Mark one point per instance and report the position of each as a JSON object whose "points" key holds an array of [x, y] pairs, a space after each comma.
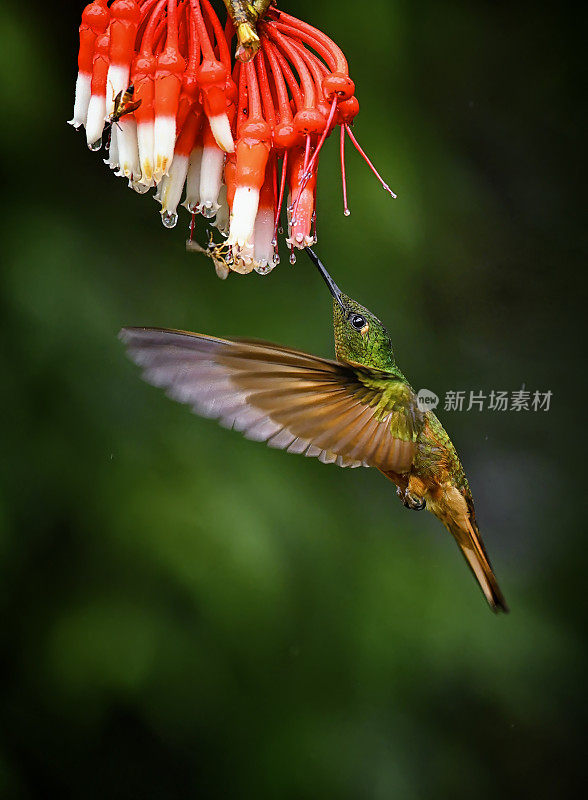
{"points": [[411, 500]]}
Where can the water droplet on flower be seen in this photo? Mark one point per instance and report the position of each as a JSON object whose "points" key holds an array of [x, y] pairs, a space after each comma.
{"points": [[208, 211], [292, 258], [346, 212], [280, 230], [262, 268], [276, 259], [192, 208], [95, 146], [274, 242], [169, 219]]}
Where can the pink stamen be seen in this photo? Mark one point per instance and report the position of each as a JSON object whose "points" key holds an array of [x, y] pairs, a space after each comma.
{"points": [[281, 194], [309, 165], [368, 162], [306, 153], [346, 210], [325, 133], [295, 203]]}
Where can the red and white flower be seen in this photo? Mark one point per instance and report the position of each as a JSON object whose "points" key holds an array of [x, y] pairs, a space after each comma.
{"points": [[232, 137]]}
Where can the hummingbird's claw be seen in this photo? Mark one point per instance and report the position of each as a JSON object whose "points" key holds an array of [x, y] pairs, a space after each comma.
{"points": [[411, 501]]}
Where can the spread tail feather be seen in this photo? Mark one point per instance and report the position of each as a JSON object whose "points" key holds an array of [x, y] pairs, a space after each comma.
{"points": [[456, 512], [470, 544]]}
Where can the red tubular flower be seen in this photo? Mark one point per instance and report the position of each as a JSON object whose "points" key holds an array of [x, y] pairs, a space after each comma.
{"points": [[211, 173], [168, 82], [252, 150], [160, 73], [143, 80], [301, 201], [97, 105], [214, 75], [95, 19], [172, 184], [264, 256], [124, 21]]}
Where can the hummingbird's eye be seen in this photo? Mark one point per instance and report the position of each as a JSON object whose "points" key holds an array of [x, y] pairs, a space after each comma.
{"points": [[359, 323]]}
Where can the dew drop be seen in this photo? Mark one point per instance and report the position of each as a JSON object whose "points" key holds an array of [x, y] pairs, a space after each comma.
{"points": [[292, 258], [274, 242], [346, 212], [95, 146], [192, 208], [280, 230], [169, 219], [262, 268], [208, 211], [276, 259]]}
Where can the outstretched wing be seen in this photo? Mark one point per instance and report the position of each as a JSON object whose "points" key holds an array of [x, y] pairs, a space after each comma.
{"points": [[339, 413]]}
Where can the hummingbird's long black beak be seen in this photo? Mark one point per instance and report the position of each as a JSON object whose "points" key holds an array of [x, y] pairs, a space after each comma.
{"points": [[333, 288]]}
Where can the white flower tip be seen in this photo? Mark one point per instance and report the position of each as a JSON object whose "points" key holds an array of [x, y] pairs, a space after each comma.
{"points": [[300, 241], [139, 186], [207, 209], [245, 204], [221, 130], [191, 207], [147, 172], [263, 267]]}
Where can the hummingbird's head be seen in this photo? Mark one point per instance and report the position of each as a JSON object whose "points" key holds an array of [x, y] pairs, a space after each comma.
{"points": [[360, 337]]}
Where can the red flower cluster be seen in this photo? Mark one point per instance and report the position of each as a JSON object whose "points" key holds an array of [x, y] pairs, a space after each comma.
{"points": [[186, 117]]}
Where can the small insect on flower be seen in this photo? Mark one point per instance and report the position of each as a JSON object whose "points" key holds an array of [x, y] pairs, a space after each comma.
{"points": [[231, 132], [124, 104]]}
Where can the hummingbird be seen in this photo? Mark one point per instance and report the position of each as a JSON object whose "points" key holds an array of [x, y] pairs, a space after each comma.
{"points": [[357, 410]]}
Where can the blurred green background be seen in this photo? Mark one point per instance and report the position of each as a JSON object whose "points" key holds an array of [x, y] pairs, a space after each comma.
{"points": [[188, 614]]}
